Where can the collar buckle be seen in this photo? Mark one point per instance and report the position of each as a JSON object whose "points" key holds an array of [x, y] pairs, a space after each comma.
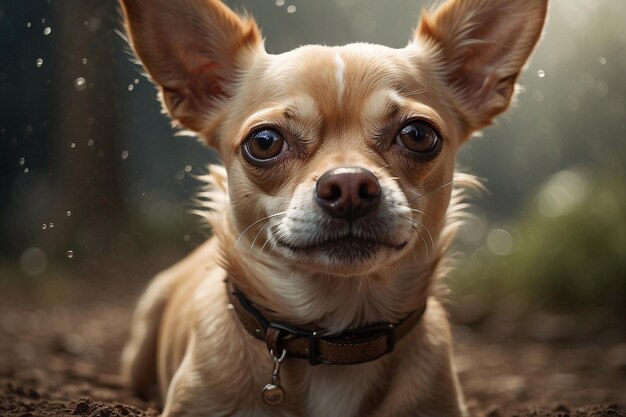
{"points": [[276, 333], [355, 346], [314, 349]]}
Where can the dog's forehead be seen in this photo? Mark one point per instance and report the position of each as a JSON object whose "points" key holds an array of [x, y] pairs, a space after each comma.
{"points": [[339, 80]]}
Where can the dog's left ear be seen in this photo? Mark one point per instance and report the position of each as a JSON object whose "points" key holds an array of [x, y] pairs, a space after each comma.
{"points": [[482, 46], [193, 51]]}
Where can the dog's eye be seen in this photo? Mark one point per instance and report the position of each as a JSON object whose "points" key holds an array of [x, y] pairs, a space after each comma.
{"points": [[419, 137], [265, 144]]}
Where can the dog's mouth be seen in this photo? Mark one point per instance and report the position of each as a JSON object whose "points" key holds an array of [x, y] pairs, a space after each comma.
{"points": [[346, 248], [315, 235]]}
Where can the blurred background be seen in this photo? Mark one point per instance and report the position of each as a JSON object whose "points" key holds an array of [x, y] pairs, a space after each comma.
{"points": [[95, 187]]}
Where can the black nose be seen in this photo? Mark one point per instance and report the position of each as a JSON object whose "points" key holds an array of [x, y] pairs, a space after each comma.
{"points": [[348, 192]]}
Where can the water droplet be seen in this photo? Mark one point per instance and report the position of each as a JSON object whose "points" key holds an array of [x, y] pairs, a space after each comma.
{"points": [[131, 87], [43, 20], [124, 154], [186, 238], [541, 73], [93, 24], [136, 80], [51, 225], [43, 226], [68, 213], [602, 60], [28, 24], [39, 62], [84, 61], [90, 142], [33, 261], [25, 170], [72, 145], [80, 84], [280, 3], [187, 168], [22, 161], [291, 9], [602, 88], [70, 254], [47, 30]]}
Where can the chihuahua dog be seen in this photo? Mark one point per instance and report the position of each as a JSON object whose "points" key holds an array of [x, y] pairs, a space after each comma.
{"points": [[316, 294]]}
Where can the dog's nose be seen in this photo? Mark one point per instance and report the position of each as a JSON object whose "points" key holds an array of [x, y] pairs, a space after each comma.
{"points": [[348, 192]]}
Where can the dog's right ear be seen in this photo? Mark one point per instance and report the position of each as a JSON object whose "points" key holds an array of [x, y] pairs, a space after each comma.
{"points": [[193, 51]]}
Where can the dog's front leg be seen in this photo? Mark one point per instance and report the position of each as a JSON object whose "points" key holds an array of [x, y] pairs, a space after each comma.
{"points": [[444, 400], [227, 389], [425, 383], [190, 395], [184, 396]]}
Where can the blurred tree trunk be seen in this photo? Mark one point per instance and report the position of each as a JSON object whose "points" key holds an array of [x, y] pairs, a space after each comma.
{"points": [[90, 210]]}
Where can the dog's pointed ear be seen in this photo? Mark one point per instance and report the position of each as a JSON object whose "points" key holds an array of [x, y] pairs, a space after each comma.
{"points": [[193, 51], [482, 46]]}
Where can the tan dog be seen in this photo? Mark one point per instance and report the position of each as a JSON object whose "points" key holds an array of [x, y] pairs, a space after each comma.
{"points": [[331, 214]]}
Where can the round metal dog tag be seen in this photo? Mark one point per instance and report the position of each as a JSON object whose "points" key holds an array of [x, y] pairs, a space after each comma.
{"points": [[273, 394]]}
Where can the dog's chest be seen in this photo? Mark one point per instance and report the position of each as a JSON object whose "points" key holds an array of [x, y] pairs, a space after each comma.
{"points": [[336, 390]]}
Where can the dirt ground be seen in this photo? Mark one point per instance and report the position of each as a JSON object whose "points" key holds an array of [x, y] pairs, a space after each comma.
{"points": [[61, 360]]}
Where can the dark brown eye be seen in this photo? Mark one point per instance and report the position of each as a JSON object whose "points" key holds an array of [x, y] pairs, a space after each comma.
{"points": [[419, 137], [265, 144]]}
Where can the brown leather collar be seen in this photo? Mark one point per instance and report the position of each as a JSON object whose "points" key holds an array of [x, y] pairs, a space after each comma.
{"points": [[360, 345]]}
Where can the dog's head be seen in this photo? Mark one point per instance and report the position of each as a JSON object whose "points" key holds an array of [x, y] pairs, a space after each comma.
{"points": [[339, 158]]}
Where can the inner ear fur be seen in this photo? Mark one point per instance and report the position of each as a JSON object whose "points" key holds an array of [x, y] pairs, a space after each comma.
{"points": [[483, 46], [192, 51]]}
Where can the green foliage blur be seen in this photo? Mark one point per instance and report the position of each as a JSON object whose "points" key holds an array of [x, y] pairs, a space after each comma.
{"points": [[567, 252]]}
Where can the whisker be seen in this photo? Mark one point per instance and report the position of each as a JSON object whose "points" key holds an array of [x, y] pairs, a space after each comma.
{"points": [[414, 252], [425, 247], [378, 171], [266, 242], [269, 238], [423, 213], [424, 184], [423, 226], [430, 236], [256, 237], [256, 222], [432, 191]]}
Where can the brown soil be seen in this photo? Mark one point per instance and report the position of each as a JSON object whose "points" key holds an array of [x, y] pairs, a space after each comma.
{"points": [[62, 361]]}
